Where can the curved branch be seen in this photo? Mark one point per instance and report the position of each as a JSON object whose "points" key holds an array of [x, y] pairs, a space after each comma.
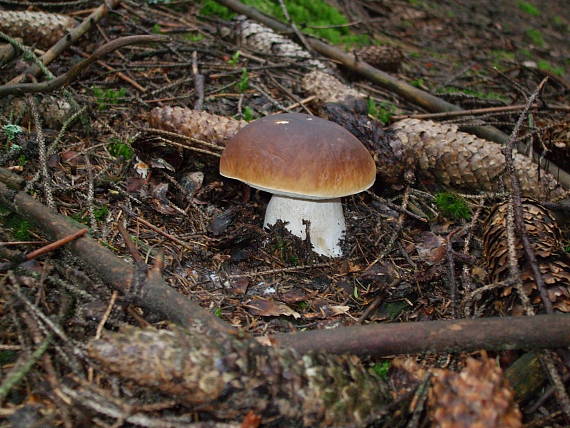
{"points": [[74, 71]]}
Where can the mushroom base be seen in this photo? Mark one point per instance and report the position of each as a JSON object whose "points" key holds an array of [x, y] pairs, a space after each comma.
{"points": [[326, 218]]}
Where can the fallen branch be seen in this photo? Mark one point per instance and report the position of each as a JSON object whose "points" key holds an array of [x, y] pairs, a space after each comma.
{"points": [[69, 39], [149, 291], [540, 331], [74, 71]]}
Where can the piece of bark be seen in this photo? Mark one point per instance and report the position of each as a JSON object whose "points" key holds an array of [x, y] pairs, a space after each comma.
{"points": [[229, 376], [526, 375]]}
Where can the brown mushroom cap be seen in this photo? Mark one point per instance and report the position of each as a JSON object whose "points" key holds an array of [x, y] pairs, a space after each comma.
{"points": [[299, 155]]}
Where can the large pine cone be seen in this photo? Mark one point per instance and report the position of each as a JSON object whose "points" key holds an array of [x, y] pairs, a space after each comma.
{"points": [[328, 89], [460, 160], [193, 123], [544, 237], [264, 39], [36, 28], [387, 58], [477, 397]]}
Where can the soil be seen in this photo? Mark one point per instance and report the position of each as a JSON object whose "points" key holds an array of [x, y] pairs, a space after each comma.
{"points": [[107, 168]]}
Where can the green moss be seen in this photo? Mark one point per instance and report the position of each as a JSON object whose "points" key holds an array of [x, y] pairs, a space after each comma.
{"points": [[545, 65], [119, 149], [381, 369], [535, 37], [309, 15], [452, 206], [18, 226], [243, 83], [529, 8], [108, 96], [213, 8], [382, 111]]}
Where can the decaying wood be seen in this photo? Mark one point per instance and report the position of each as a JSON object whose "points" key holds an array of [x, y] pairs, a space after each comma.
{"points": [[526, 375], [230, 376]]}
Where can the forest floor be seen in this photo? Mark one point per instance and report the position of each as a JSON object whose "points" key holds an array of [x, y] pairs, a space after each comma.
{"points": [[107, 168]]}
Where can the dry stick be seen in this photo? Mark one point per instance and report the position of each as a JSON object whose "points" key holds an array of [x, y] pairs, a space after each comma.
{"points": [[42, 151], [516, 107], [409, 92], [515, 218], [68, 77], [517, 203], [119, 74], [155, 296], [198, 82], [434, 336], [54, 245], [384, 339], [69, 39]]}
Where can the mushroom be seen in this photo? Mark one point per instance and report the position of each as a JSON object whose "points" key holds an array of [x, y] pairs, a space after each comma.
{"points": [[308, 164]]}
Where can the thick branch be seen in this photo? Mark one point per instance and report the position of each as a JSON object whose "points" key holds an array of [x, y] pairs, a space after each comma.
{"points": [[149, 292], [541, 331]]}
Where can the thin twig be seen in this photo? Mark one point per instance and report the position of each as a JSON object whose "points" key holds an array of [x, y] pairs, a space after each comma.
{"points": [[71, 74]]}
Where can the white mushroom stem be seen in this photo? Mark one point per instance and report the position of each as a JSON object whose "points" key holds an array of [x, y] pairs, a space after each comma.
{"points": [[326, 218]]}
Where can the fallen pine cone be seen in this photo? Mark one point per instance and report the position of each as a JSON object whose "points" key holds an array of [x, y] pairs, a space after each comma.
{"points": [[459, 160], [387, 58], [53, 110], [263, 39], [195, 123], [477, 397], [328, 89], [441, 152], [36, 28], [545, 239]]}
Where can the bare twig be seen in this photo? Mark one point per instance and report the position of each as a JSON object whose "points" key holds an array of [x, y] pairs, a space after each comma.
{"points": [[69, 38], [68, 77]]}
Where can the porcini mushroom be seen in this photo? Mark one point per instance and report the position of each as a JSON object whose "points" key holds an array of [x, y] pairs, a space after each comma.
{"points": [[308, 164]]}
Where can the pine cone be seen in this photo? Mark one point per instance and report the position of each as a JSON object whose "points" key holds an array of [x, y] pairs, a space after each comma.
{"points": [[461, 160], [477, 397], [36, 28], [193, 123], [264, 39], [328, 89], [545, 239], [387, 58], [53, 110]]}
